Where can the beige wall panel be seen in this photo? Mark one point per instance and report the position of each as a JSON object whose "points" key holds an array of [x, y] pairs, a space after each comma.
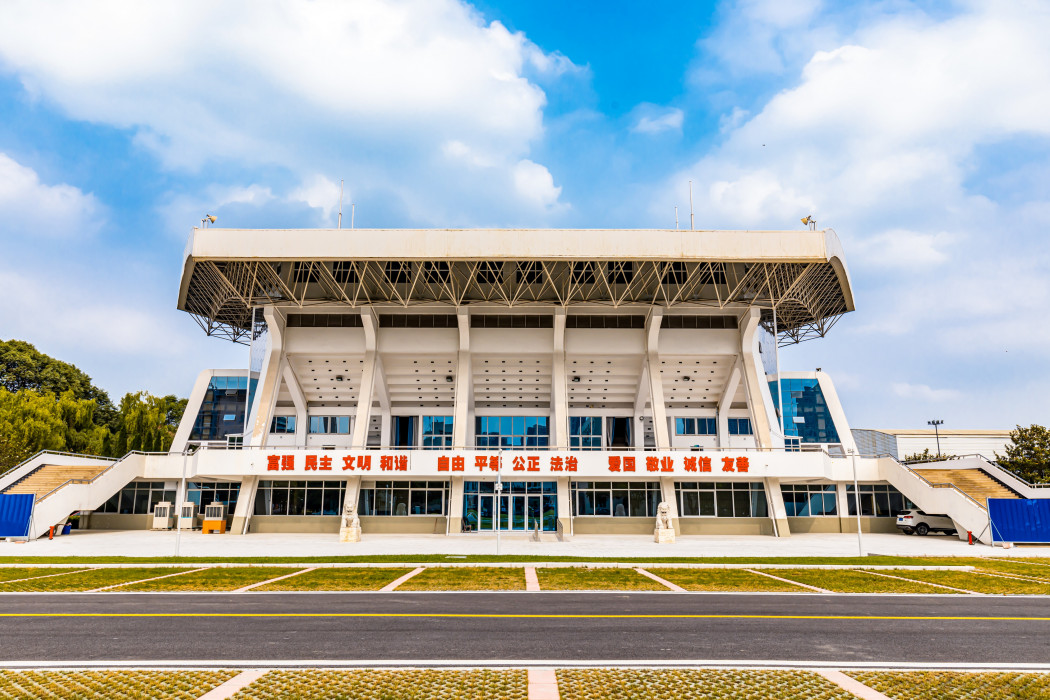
{"points": [[118, 521], [823, 524], [613, 526], [725, 526], [419, 341]]}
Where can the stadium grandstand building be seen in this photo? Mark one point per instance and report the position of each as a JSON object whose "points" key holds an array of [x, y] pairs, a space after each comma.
{"points": [[459, 381]]}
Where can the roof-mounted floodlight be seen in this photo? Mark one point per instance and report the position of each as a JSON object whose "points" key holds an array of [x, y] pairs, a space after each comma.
{"points": [[811, 222], [208, 219]]}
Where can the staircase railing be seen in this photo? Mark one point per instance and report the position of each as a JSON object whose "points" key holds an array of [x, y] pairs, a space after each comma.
{"points": [[97, 476]]}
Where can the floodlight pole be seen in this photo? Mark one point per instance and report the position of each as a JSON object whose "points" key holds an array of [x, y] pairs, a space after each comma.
{"points": [[936, 433], [856, 501]]}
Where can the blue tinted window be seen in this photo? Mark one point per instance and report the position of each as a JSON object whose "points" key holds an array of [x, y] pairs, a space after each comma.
{"points": [[740, 426], [806, 414], [511, 432]]}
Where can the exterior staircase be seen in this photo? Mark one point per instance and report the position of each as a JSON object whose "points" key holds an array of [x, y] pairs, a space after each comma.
{"points": [[975, 483], [49, 477]]}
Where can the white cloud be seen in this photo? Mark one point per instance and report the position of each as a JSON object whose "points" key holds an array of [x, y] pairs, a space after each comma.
{"points": [[902, 248], [922, 392], [657, 121], [31, 208], [369, 91], [535, 184], [320, 193]]}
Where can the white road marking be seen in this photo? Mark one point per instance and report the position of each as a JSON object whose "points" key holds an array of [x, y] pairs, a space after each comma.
{"points": [[924, 583], [397, 582], [787, 580], [279, 578], [238, 682], [119, 585], [851, 685], [661, 581]]}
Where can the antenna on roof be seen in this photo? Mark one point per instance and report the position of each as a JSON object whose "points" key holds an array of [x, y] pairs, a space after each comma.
{"points": [[352, 206], [690, 205], [676, 217], [340, 204]]}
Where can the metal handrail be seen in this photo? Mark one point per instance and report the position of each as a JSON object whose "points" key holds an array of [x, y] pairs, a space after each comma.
{"points": [[938, 485], [57, 453]]}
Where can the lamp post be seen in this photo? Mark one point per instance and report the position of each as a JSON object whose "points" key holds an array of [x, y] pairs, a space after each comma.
{"points": [[936, 433], [856, 502]]}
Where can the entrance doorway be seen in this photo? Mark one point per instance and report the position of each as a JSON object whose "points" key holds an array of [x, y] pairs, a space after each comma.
{"points": [[519, 508]]}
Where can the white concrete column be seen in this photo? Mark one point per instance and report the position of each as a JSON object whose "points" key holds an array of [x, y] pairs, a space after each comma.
{"points": [[559, 437], [847, 522], [667, 495], [353, 493], [759, 401], [838, 416], [386, 423], [726, 402], [656, 388], [455, 502], [461, 419], [565, 506], [269, 379], [242, 514], [777, 511], [368, 379]]}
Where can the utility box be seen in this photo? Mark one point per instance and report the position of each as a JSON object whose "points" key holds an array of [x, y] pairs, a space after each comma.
{"points": [[163, 516], [188, 516], [214, 518]]}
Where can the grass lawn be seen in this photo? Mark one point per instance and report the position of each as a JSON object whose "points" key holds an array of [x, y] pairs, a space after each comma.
{"points": [[110, 684], [723, 580], [950, 684], [854, 581], [13, 574], [1016, 568], [687, 684], [415, 684], [584, 579], [978, 583], [336, 580], [467, 578], [217, 579], [86, 581]]}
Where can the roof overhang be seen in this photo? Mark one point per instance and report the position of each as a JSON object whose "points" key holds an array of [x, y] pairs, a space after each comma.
{"points": [[227, 272]]}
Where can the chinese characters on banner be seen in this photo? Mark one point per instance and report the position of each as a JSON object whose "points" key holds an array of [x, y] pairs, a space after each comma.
{"points": [[550, 463]]}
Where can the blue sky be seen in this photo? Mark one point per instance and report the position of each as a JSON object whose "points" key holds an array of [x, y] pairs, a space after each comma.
{"points": [[918, 131]]}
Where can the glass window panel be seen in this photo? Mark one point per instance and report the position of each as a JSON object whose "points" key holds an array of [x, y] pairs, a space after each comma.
{"points": [[331, 501], [435, 502], [690, 503], [724, 504], [400, 501], [418, 503], [706, 500], [742, 504]]}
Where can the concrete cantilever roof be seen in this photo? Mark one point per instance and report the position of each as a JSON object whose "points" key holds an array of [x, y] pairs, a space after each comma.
{"points": [[803, 273]]}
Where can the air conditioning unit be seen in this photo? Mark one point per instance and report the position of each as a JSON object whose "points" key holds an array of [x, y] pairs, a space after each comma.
{"points": [[163, 516], [214, 518], [188, 516]]}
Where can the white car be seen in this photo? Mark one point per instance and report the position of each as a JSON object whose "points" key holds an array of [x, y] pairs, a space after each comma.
{"points": [[919, 523]]}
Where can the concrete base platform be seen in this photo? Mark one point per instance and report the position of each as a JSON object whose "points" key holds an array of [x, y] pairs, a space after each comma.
{"points": [[139, 543]]}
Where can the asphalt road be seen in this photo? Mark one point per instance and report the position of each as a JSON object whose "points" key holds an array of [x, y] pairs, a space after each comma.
{"points": [[523, 626]]}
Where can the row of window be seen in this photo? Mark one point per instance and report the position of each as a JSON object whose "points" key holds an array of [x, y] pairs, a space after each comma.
{"points": [[876, 500], [709, 426], [616, 499], [746, 499], [139, 497], [300, 497], [404, 498]]}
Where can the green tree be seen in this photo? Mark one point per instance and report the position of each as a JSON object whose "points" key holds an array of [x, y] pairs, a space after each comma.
{"points": [[31, 421], [1028, 454], [924, 456], [23, 367], [146, 423]]}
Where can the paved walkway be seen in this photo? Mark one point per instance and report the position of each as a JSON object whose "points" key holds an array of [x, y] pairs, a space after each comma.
{"points": [[141, 543]]}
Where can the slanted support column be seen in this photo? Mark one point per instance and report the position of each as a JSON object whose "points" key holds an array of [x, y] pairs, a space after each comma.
{"points": [[270, 379], [759, 401], [353, 493], [242, 514], [777, 511], [667, 495], [726, 402], [847, 522], [299, 400], [656, 388], [464, 405], [559, 388], [368, 379]]}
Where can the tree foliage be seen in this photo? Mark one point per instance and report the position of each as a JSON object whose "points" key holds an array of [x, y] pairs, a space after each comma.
{"points": [[24, 368], [46, 404], [1028, 454], [924, 456]]}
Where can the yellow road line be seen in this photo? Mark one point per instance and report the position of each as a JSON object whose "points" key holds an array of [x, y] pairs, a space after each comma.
{"points": [[542, 616]]}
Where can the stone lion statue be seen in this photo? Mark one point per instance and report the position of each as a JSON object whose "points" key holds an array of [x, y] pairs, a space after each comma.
{"points": [[663, 516], [350, 519]]}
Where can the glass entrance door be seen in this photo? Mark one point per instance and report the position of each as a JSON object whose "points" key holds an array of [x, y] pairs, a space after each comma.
{"points": [[485, 520], [519, 508]]}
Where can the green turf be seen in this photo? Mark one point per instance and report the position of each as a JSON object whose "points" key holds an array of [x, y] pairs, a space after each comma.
{"points": [[217, 579], [27, 572], [839, 581], [467, 578], [722, 580], [329, 579], [978, 583], [85, 581], [584, 579], [922, 685]]}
